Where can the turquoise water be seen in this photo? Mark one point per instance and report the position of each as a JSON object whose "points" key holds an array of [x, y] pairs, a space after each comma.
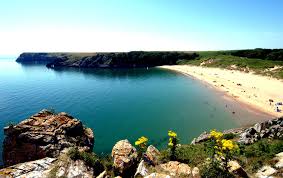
{"points": [[116, 104]]}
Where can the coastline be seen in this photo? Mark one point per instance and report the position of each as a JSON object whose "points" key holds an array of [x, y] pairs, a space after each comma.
{"points": [[249, 90]]}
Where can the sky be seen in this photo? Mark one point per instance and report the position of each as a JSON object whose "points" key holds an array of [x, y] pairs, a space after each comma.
{"points": [[128, 25]]}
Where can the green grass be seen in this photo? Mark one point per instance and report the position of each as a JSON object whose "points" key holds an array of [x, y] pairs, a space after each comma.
{"points": [[253, 157], [220, 60], [194, 155]]}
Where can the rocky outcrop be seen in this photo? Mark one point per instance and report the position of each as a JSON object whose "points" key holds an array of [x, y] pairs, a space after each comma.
{"points": [[157, 175], [265, 171], [36, 169], [152, 154], [205, 135], [124, 156], [141, 170], [279, 161], [63, 166], [66, 167], [236, 169], [174, 168], [268, 129], [44, 135]]}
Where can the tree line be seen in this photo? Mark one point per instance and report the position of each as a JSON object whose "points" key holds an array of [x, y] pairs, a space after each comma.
{"points": [[260, 53]]}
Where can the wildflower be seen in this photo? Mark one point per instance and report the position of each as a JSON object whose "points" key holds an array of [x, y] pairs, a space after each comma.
{"points": [[216, 135], [172, 134], [227, 144], [142, 141], [170, 144]]}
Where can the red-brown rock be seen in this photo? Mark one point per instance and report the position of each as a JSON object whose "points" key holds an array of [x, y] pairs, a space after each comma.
{"points": [[44, 135]]}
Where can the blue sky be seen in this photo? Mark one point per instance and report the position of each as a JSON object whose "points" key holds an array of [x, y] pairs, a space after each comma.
{"points": [[124, 25]]}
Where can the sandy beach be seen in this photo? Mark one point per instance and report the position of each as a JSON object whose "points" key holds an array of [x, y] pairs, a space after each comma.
{"points": [[253, 90]]}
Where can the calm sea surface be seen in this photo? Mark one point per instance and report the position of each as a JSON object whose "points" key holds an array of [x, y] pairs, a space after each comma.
{"points": [[116, 104]]}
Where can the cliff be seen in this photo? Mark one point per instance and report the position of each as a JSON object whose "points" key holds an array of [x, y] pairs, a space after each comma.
{"points": [[37, 57], [107, 60], [44, 135]]}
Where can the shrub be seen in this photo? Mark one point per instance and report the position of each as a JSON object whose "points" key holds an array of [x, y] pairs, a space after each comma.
{"points": [[256, 155], [229, 136], [214, 170], [191, 154]]}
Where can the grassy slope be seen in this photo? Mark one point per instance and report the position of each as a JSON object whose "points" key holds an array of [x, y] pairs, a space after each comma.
{"points": [[251, 157], [223, 59]]}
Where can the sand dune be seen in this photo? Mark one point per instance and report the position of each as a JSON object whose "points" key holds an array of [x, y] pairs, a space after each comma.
{"points": [[251, 89]]}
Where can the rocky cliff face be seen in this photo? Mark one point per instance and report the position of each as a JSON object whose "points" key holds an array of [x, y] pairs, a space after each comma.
{"points": [[37, 57], [107, 60], [44, 135]]}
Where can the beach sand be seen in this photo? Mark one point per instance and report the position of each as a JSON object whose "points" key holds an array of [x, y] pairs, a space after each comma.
{"points": [[253, 91]]}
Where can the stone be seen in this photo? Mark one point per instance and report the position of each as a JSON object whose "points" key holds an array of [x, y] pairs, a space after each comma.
{"points": [[176, 168], [141, 170], [124, 155], [102, 175], [268, 129], [42, 135], [75, 169], [265, 171], [279, 159], [35, 169], [195, 173], [157, 175], [152, 154], [235, 168], [258, 127]]}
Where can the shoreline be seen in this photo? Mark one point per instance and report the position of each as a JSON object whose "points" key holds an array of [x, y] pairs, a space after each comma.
{"points": [[253, 93]]}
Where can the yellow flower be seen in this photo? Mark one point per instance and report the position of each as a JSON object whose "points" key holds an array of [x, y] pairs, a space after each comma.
{"points": [[227, 144], [142, 141], [170, 144], [172, 134], [216, 135]]}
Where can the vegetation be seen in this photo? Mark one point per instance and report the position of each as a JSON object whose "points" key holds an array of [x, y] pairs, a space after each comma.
{"points": [[229, 60], [121, 59], [259, 53], [253, 157], [172, 144], [141, 143], [90, 159], [211, 156]]}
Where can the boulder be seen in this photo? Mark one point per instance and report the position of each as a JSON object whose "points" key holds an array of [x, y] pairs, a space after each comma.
{"points": [[195, 173], [279, 159], [157, 175], [44, 134], [71, 168], [152, 154], [35, 169], [141, 170], [175, 168], [63, 166], [268, 129], [265, 171], [124, 155], [235, 168]]}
